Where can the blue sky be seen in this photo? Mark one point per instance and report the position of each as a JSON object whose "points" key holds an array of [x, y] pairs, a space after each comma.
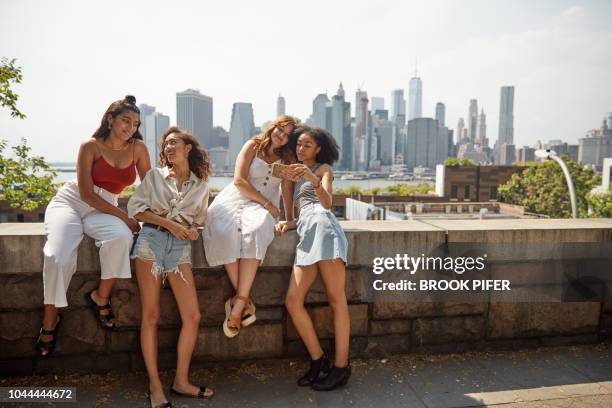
{"points": [[77, 57]]}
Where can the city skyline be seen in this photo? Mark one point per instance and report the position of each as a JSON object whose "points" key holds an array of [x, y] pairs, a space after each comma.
{"points": [[70, 59]]}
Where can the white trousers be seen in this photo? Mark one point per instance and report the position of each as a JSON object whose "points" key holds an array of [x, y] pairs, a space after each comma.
{"points": [[67, 218]]}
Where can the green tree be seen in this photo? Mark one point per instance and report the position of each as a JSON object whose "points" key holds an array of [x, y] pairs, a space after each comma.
{"points": [[601, 204], [25, 181], [9, 75], [542, 188], [453, 161]]}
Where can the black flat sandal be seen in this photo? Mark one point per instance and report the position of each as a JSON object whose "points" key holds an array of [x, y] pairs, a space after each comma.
{"points": [[103, 320], [165, 404], [45, 348], [201, 393]]}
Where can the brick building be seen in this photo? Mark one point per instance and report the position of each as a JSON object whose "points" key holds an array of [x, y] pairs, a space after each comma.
{"points": [[472, 183]]}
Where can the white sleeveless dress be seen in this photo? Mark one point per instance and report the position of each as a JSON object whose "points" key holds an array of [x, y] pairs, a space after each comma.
{"points": [[237, 227]]}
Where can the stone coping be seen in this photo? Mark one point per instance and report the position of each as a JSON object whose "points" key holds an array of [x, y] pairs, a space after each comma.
{"points": [[505, 240]]}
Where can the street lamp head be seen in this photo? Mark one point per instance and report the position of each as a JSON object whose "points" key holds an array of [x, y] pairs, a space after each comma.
{"points": [[545, 154]]}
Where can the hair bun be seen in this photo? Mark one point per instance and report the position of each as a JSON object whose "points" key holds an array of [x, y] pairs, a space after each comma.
{"points": [[130, 100]]}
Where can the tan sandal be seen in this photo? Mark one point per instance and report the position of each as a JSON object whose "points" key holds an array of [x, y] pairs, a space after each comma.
{"points": [[231, 325], [248, 313], [248, 318]]}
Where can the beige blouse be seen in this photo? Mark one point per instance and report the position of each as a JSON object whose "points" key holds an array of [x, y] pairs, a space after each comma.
{"points": [[158, 193]]}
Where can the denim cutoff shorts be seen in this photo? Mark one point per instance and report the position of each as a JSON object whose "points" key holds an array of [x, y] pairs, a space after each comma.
{"points": [[163, 249]]}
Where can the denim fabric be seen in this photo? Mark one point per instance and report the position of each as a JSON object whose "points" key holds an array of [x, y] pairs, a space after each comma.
{"points": [[321, 237], [163, 249]]}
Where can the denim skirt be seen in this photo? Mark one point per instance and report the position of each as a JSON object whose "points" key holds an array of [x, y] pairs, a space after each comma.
{"points": [[321, 236]]}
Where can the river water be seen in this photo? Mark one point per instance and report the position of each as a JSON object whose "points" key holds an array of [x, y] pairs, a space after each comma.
{"points": [[220, 182]]}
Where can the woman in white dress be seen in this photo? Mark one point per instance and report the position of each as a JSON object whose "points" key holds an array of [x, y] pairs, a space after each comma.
{"points": [[241, 219]]}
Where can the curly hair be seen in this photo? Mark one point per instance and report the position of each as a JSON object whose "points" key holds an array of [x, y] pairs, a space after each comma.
{"points": [[330, 152], [199, 162], [263, 140], [127, 104]]}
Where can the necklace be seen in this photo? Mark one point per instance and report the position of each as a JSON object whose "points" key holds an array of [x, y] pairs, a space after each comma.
{"points": [[123, 147]]}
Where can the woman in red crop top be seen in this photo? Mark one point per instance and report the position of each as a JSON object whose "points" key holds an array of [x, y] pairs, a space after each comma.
{"points": [[107, 163]]}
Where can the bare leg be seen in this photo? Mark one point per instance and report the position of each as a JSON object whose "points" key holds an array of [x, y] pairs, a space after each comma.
{"points": [[102, 295], [247, 268], [301, 280], [232, 273], [187, 301], [334, 275], [149, 287]]}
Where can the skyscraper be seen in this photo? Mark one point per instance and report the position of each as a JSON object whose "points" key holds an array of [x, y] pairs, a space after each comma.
{"points": [[481, 134], [398, 107], [341, 128], [152, 125], [460, 128], [426, 143], [440, 113], [319, 111], [415, 98], [506, 116], [280, 106], [378, 103], [242, 128], [361, 131], [194, 112], [155, 125], [473, 120]]}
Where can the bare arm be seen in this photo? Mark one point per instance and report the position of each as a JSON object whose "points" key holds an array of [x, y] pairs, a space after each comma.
{"points": [[287, 192], [141, 157], [84, 164], [324, 188], [178, 230]]}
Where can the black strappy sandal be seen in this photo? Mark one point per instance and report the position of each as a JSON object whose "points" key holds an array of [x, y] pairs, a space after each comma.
{"points": [[103, 320], [45, 348], [201, 393]]}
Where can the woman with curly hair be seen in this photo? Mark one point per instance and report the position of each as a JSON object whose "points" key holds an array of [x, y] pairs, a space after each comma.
{"points": [[172, 202], [243, 215], [322, 248]]}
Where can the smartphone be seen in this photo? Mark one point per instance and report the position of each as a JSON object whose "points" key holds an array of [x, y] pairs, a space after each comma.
{"points": [[283, 171]]}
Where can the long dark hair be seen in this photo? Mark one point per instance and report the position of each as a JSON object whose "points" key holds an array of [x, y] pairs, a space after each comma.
{"points": [[330, 152], [263, 140], [198, 159], [127, 104]]}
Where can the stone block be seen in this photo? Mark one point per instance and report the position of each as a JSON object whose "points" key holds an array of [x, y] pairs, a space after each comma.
{"points": [[80, 333], [406, 310], [441, 330], [255, 341], [270, 314], [21, 292], [383, 346], [19, 348], [387, 327], [323, 321], [83, 364], [508, 320], [270, 287], [17, 325]]}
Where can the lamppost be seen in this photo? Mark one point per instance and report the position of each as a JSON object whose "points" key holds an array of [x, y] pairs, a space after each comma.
{"points": [[550, 154]]}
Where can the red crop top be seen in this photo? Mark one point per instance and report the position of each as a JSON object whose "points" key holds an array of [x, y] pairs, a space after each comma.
{"points": [[112, 178]]}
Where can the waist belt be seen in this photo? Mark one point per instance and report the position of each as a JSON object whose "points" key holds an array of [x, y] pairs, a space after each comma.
{"points": [[157, 227]]}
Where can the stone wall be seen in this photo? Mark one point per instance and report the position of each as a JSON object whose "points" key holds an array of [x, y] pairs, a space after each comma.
{"points": [[378, 327]]}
